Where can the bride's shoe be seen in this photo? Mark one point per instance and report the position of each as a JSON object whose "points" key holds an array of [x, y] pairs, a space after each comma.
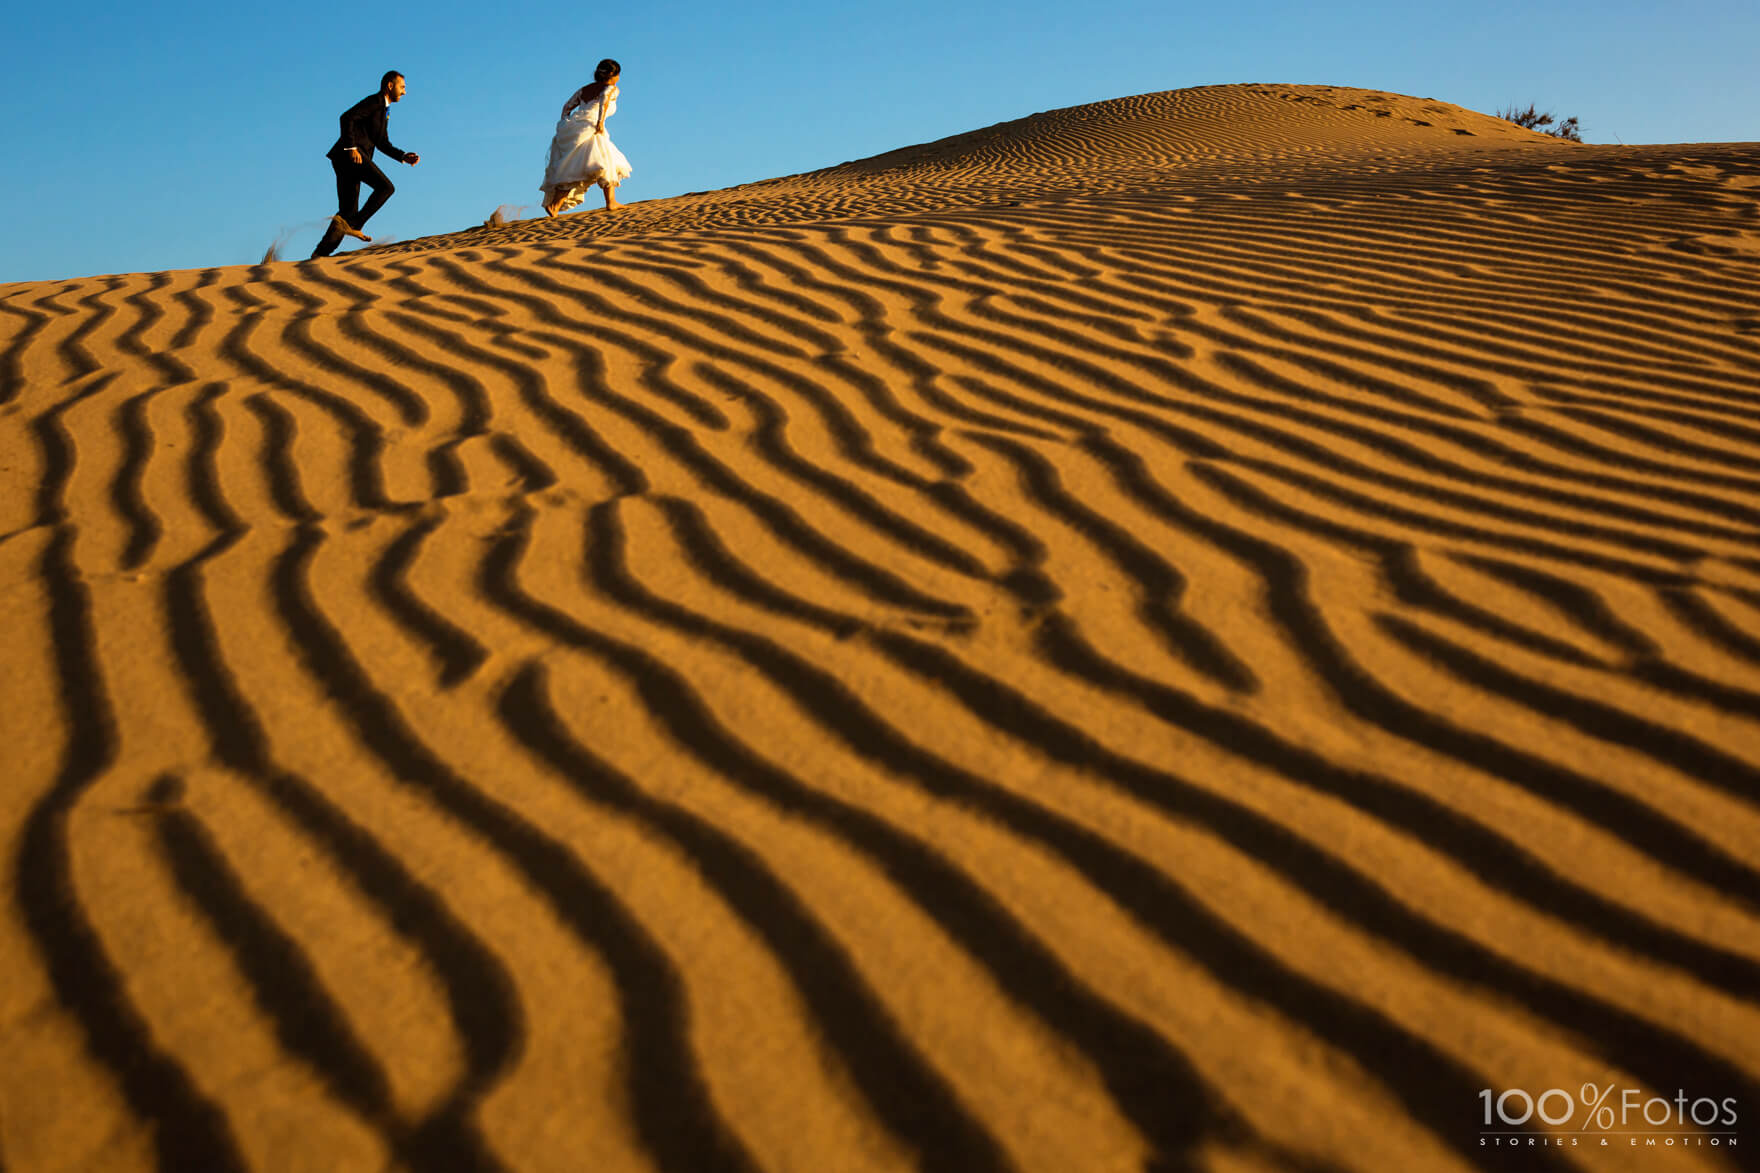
{"points": [[347, 229]]}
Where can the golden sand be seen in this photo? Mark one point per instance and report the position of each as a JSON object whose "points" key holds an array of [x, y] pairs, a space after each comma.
{"points": [[1197, 631]]}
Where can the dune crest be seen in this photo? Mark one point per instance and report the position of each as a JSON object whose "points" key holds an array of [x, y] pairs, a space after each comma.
{"points": [[1200, 630], [1250, 134]]}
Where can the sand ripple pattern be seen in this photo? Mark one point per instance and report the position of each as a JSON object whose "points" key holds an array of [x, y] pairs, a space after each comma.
{"points": [[1194, 632]]}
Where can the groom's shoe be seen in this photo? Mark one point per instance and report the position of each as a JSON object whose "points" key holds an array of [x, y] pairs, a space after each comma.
{"points": [[347, 229]]}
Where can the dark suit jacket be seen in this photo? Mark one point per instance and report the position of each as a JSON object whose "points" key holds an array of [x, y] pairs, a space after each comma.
{"points": [[363, 127]]}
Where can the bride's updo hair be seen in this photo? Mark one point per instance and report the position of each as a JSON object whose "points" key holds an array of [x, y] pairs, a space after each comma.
{"points": [[602, 76]]}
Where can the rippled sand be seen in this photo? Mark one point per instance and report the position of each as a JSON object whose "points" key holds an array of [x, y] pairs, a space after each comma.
{"points": [[1195, 631]]}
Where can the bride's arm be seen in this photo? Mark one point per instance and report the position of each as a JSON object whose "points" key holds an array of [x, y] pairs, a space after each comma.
{"points": [[574, 100], [604, 100]]}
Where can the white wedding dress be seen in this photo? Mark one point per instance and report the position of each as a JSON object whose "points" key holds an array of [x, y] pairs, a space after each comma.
{"points": [[580, 159]]}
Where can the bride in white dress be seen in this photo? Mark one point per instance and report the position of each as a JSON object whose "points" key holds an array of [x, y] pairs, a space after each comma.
{"points": [[581, 153]]}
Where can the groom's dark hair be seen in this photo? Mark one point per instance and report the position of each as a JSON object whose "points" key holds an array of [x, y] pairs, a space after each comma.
{"points": [[386, 80]]}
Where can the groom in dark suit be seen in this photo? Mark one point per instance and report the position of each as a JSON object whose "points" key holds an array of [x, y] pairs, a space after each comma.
{"points": [[363, 128]]}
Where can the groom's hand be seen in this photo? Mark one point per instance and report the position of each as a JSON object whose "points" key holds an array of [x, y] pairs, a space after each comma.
{"points": [[354, 155], [411, 158]]}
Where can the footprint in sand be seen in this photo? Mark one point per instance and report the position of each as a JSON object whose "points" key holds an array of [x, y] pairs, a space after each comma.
{"points": [[1720, 244]]}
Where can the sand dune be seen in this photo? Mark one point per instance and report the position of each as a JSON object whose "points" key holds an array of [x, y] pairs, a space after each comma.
{"points": [[1194, 631]]}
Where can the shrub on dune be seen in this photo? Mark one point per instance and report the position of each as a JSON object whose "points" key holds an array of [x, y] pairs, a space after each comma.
{"points": [[1533, 119]]}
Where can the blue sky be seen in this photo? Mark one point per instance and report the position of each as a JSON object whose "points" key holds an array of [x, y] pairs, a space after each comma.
{"points": [[144, 137]]}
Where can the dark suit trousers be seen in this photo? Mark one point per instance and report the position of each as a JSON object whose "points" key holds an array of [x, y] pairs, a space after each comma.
{"points": [[349, 177]]}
